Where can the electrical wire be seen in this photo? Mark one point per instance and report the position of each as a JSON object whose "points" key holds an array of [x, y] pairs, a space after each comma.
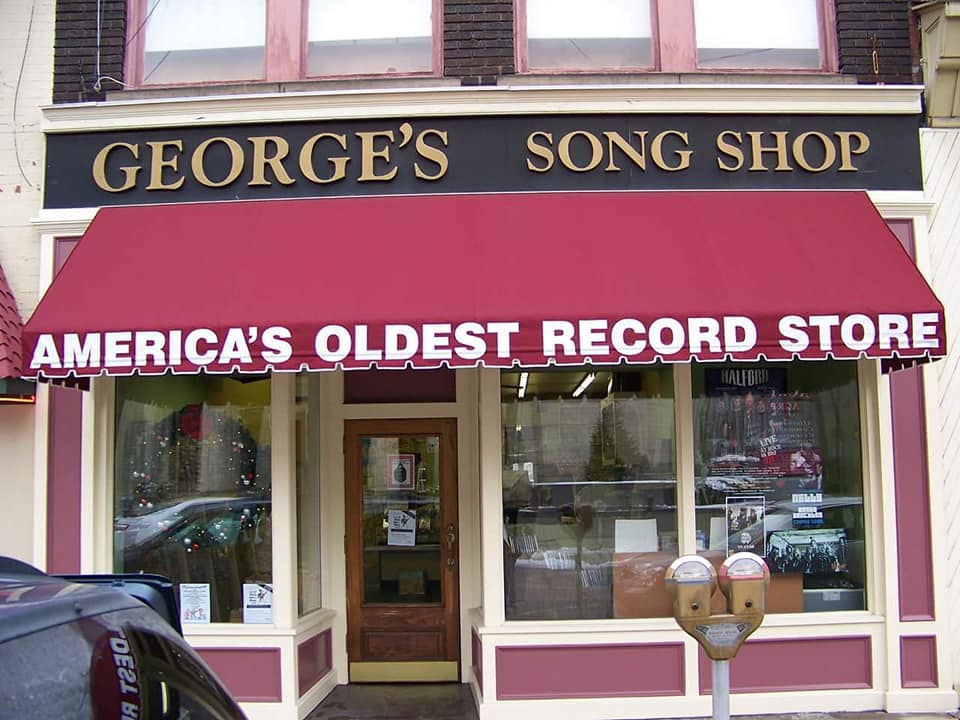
{"points": [[16, 95], [98, 83]]}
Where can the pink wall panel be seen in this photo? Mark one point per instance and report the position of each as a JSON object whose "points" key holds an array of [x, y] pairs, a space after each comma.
{"points": [[250, 674], [65, 425], [65, 432], [571, 671], [911, 495], [911, 481], [918, 662], [477, 649], [314, 660], [786, 665]]}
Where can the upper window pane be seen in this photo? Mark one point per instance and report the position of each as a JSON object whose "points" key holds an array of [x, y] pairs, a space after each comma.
{"points": [[603, 34], [757, 34], [589, 492], [369, 37], [188, 41]]}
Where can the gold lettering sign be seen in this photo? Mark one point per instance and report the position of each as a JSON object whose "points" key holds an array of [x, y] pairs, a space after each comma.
{"points": [[406, 153]]}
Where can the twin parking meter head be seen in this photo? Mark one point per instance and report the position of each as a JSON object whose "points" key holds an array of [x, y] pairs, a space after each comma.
{"points": [[743, 579]]}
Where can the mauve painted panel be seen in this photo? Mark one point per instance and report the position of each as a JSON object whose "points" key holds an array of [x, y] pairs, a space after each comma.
{"points": [[63, 480], [477, 648], [250, 674], [911, 495], [903, 229], [65, 435], [399, 386], [787, 665], [911, 481], [314, 660], [585, 671], [918, 662]]}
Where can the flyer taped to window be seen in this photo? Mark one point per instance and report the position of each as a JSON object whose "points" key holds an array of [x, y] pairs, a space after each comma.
{"points": [[402, 528]]}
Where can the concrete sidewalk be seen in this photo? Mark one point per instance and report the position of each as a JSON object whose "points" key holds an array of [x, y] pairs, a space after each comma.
{"points": [[453, 701]]}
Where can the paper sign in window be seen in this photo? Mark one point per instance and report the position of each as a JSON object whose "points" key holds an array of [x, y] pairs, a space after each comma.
{"points": [[635, 535]]}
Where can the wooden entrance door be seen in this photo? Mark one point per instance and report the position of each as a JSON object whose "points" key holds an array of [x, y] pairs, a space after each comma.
{"points": [[402, 550]]}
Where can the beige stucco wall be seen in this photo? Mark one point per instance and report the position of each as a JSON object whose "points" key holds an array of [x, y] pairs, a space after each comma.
{"points": [[26, 72]]}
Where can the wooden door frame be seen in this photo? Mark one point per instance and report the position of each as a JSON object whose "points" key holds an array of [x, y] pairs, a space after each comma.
{"points": [[446, 429]]}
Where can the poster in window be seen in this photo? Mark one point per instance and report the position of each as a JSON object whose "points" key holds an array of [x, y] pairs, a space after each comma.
{"points": [[402, 528], [759, 437], [257, 603], [194, 602], [745, 524], [400, 472], [814, 552]]}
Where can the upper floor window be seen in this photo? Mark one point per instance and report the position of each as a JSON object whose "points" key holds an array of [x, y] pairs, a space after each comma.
{"points": [[174, 42], [186, 41], [675, 35], [369, 37]]}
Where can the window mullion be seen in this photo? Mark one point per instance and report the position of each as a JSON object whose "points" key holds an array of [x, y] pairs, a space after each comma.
{"points": [[285, 40], [686, 475], [675, 36]]}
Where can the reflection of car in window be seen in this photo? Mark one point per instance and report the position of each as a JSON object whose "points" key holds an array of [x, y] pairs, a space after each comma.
{"points": [[224, 541], [90, 651]]}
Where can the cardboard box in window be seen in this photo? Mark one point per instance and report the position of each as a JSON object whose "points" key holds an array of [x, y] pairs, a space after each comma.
{"points": [[540, 592], [639, 590]]}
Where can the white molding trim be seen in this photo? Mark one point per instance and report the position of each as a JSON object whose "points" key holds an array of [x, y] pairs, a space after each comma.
{"points": [[63, 223], [901, 203], [505, 99]]}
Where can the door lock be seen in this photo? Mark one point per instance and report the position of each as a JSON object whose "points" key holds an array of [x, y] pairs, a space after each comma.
{"points": [[451, 538]]}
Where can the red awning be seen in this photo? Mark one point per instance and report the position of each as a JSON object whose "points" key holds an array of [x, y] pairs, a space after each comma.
{"points": [[425, 281], [11, 353]]}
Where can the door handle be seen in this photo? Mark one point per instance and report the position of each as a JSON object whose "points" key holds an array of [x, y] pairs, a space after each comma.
{"points": [[451, 537]]}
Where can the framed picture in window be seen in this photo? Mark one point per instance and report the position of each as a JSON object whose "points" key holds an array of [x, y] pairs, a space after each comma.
{"points": [[400, 471]]}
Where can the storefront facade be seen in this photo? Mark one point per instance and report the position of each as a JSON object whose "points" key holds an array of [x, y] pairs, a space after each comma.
{"points": [[433, 384]]}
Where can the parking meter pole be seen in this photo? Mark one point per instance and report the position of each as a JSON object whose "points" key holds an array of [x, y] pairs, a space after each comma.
{"points": [[721, 689]]}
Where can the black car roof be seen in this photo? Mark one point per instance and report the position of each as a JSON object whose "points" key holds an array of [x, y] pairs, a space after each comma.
{"points": [[33, 602]]}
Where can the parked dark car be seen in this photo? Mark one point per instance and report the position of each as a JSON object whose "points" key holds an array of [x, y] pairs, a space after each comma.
{"points": [[87, 648]]}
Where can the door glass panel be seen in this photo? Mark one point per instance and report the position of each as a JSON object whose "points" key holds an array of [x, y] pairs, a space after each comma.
{"points": [[401, 519]]}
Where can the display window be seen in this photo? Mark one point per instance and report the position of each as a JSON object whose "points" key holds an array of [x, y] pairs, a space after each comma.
{"points": [[589, 492], [192, 491], [778, 473], [590, 485]]}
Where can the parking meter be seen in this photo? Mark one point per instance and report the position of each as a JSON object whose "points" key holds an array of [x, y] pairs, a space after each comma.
{"points": [[743, 579], [693, 581]]}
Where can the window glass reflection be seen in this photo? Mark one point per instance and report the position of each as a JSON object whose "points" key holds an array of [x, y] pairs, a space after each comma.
{"points": [[589, 492], [778, 473], [192, 489]]}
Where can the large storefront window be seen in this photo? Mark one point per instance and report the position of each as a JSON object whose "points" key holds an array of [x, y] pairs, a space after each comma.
{"points": [[590, 485], [192, 491], [589, 492], [778, 473]]}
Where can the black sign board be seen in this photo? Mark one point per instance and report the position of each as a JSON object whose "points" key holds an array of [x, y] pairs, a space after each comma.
{"points": [[482, 154]]}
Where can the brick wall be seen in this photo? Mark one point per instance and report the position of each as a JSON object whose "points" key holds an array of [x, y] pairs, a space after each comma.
{"points": [[76, 49], [478, 40], [877, 41]]}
